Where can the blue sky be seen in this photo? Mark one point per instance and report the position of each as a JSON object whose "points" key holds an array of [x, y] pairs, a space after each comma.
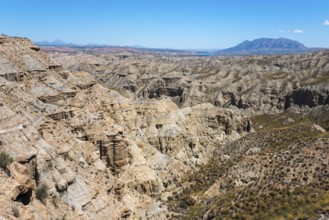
{"points": [[189, 24]]}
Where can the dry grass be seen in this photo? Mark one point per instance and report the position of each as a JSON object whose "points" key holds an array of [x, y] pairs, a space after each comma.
{"points": [[291, 182]]}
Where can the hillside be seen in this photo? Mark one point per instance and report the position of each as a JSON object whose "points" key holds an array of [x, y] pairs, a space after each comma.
{"points": [[82, 151], [147, 136], [253, 84], [279, 172]]}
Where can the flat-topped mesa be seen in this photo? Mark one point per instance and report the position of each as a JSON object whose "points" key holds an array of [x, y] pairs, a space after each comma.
{"points": [[61, 115], [82, 80], [20, 58], [56, 67], [57, 97], [8, 71], [172, 77]]}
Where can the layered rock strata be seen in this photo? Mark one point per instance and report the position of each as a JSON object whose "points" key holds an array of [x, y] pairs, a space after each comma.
{"points": [[100, 154], [255, 84]]}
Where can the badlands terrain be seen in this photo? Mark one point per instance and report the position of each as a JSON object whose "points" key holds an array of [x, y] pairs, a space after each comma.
{"points": [[152, 136]]}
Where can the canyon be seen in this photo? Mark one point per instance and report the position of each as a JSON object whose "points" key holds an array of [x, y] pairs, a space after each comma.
{"points": [[153, 136]]}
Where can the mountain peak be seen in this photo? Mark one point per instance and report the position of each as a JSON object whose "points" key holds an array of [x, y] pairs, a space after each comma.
{"points": [[58, 41], [266, 46]]}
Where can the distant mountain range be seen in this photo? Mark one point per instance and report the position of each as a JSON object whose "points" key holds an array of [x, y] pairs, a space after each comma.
{"points": [[258, 46], [56, 43], [60, 43]]}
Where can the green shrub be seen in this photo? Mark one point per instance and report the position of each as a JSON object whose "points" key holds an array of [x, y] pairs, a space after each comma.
{"points": [[5, 159], [183, 204], [42, 192]]}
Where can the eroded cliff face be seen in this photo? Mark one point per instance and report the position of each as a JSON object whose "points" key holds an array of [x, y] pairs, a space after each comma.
{"points": [[157, 137], [101, 155], [256, 84]]}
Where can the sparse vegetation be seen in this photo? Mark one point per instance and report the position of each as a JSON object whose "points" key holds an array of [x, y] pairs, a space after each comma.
{"points": [[41, 192], [290, 182], [301, 202], [5, 160]]}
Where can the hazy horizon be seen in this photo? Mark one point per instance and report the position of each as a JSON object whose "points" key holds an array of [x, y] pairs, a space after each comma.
{"points": [[167, 24]]}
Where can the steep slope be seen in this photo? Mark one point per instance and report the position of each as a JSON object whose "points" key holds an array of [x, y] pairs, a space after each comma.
{"points": [[279, 172], [254, 84], [100, 154], [173, 140]]}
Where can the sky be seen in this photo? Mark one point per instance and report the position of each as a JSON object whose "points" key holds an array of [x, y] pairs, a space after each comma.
{"points": [[177, 24]]}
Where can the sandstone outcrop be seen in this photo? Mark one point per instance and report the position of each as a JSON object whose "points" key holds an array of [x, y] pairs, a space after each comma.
{"points": [[121, 136], [255, 84], [100, 154]]}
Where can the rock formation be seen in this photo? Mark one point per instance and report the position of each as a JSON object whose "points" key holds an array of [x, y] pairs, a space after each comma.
{"points": [[100, 154], [131, 136], [255, 84]]}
